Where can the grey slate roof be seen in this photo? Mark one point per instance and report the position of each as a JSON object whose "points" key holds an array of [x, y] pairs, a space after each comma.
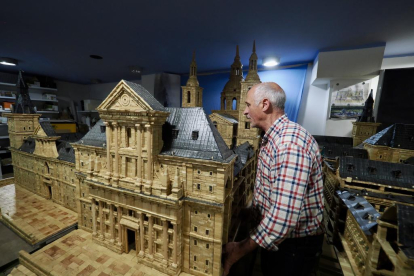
{"points": [[228, 118], [209, 145], [95, 137], [329, 140], [405, 216], [331, 151], [377, 172], [393, 197], [146, 96], [28, 145], [395, 136], [47, 127], [65, 151], [361, 209], [245, 151]]}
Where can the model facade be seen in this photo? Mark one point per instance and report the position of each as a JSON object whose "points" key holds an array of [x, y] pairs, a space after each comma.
{"points": [[159, 181]]}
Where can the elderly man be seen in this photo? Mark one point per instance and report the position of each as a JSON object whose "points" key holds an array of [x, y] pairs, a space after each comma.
{"points": [[288, 190]]}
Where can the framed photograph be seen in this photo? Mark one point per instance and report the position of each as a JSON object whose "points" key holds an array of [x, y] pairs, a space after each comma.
{"points": [[348, 103]]}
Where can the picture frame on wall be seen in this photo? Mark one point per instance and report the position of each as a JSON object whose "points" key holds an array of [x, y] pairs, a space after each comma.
{"points": [[348, 103]]}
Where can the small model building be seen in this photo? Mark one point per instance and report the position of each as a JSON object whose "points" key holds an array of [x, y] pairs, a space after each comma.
{"points": [[160, 182], [393, 144]]}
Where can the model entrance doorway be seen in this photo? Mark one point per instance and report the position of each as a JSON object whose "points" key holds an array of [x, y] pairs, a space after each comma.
{"points": [[131, 240]]}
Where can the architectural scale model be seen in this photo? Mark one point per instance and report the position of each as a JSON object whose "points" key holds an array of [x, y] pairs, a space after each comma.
{"points": [[158, 182]]}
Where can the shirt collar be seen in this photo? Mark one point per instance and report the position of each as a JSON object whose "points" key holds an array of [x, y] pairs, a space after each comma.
{"points": [[275, 128]]}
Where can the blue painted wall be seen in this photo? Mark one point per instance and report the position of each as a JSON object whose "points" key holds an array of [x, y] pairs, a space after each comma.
{"points": [[291, 80]]}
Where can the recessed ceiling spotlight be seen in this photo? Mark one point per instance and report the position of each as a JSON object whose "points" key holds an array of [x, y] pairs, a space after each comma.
{"points": [[8, 61], [95, 57], [270, 61]]}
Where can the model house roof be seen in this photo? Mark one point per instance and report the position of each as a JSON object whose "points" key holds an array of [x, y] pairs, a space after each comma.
{"points": [[395, 136], [48, 128], [146, 96], [361, 209], [228, 118], [333, 146], [190, 133], [392, 174], [65, 151], [96, 137], [245, 151]]}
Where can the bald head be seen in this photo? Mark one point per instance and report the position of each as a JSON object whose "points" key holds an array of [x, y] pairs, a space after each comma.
{"points": [[271, 91]]}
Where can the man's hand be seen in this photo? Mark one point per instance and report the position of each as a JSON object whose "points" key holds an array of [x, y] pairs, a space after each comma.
{"points": [[233, 251]]}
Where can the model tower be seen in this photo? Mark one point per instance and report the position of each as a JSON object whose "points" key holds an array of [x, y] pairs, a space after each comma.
{"points": [[365, 126], [245, 133], [24, 120], [230, 97], [192, 92]]}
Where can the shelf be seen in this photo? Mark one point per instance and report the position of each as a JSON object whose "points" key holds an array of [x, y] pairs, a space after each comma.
{"points": [[4, 137], [87, 111], [47, 111], [7, 98], [5, 111], [4, 151], [29, 87], [44, 100]]}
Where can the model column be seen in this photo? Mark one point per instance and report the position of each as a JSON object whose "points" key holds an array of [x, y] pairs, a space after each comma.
{"points": [[112, 222], [116, 168], [93, 208], [149, 159], [165, 239], [141, 234], [150, 222], [139, 156], [108, 151], [174, 244], [119, 214]]}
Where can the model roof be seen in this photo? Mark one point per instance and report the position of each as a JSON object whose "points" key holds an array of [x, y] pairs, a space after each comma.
{"points": [[146, 96], [395, 136], [361, 209], [324, 140], [96, 137], [65, 151], [393, 174], [228, 118], [48, 128], [190, 133], [245, 151]]}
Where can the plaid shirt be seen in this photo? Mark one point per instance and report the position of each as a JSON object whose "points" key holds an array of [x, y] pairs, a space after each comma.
{"points": [[289, 188]]}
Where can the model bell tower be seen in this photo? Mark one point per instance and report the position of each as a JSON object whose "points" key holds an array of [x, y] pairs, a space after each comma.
{"points": [[24, 120], [192, 92], [245, 132]]}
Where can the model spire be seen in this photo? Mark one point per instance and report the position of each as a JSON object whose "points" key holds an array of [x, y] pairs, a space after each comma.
{"points": [[23, 102], [252, 74], [192, 81], [367, 112]]}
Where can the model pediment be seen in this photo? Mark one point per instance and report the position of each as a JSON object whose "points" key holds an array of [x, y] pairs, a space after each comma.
{"points": [[124, 98], [40, 132]]}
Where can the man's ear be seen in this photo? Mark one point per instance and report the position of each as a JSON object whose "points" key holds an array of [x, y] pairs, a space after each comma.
{"points": [[267, 106]]}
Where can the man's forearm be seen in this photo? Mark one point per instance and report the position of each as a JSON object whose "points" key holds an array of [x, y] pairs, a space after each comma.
{"points": [[233, 251]]}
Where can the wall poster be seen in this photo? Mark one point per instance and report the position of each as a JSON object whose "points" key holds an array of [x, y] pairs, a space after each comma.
{"points": [[348, 102]]}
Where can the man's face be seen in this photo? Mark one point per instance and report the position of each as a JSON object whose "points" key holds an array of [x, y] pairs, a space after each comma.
{"points": [[252, 111]]}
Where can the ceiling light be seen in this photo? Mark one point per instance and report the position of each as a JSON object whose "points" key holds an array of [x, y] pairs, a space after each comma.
{"points": [[95, 57], [8, 61], [270, 61]]}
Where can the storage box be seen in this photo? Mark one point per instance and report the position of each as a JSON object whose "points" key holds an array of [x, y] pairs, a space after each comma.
{"points": [[51, 97], [7, 105]]}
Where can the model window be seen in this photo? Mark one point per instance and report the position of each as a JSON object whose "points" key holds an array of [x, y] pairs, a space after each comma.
{"points": [[198, 171], [210, 188], [188, 97], [174, 133], [195, 258], [208, 215], [196, 212], [207, 232], [206, 262], [194, 135], [198, 186], [195, 242], [207, 245], [247, 125], [195, 228]]}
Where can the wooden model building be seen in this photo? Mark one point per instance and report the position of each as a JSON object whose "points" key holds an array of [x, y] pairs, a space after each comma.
{"points": [[157, 181], [393, 144]]}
